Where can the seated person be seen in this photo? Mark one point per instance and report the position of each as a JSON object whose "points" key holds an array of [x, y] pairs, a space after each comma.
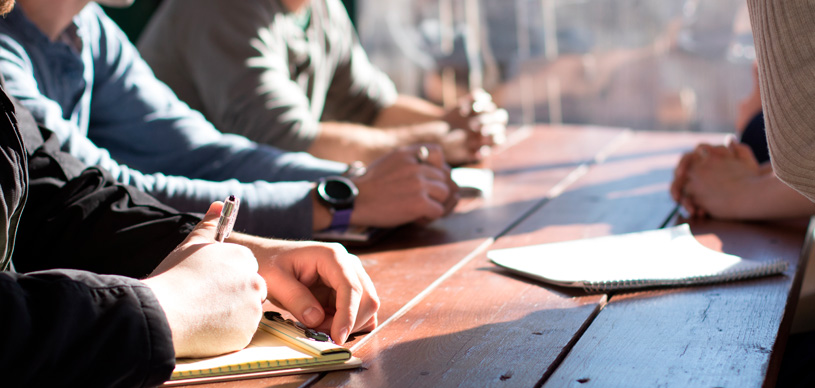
{"points": [[786, 58], [80, 77], [292, 74], [736, 181], [200, 298]]}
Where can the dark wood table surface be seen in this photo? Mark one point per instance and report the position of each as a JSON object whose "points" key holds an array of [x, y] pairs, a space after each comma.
{"points": [[451, 318]]}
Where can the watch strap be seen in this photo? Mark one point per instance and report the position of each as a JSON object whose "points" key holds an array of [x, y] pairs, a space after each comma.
{"points": [[341, 218]]}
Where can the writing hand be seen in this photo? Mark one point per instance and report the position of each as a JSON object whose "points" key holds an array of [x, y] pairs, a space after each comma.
{"points": [[210, 292]]}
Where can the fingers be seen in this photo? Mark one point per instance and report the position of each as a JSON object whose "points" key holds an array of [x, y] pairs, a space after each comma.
{"points": [[204, 232], [680, 176], [729, 141], [491, 126], [706, 150], [497, 116], [356, 301], [259, 284], [326, 288], [477, 102], [744, 153], [435, 156], [688, 204], [452, 200], [348, 300], [295, 297], [441, 192], [370, 300], [486, 129], [438, 186]]}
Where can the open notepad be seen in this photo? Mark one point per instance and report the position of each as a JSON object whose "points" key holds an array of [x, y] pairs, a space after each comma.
{"points": [[279, 347], [664, 257]]}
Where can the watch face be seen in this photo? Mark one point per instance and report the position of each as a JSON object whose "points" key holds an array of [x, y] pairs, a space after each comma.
{"points": [[338, 191]]}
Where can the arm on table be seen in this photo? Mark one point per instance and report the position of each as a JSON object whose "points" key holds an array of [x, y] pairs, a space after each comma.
{"points": [[726, 182], [397, 189]]}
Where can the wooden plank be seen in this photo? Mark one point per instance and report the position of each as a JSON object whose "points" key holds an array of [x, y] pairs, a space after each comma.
{"points": [[711, 336], [627, 192], [414, 257], [482, 327]]}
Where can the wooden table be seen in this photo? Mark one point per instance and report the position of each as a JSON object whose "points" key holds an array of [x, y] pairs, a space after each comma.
{"points": [[450, 318]]}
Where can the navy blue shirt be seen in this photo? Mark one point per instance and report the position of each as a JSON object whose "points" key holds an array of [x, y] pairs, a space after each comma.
{"points": [[95, 92]]}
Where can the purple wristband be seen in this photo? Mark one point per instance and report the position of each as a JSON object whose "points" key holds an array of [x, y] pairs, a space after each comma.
{"points": [[341, 219]]}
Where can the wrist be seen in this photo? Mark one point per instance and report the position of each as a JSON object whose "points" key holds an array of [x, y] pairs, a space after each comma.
{"points": [[165, 297], [429, 132], [338, 194], [321, 215]]}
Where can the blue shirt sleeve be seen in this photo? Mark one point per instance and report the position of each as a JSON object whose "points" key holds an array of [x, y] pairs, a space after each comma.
{"points": [[159, 144]]}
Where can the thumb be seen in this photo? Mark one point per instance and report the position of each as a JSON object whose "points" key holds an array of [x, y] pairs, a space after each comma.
{"points": [[204, 232]]}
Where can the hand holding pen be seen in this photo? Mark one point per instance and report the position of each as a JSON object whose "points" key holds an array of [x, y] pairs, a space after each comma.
{"points": [[211, 293]]}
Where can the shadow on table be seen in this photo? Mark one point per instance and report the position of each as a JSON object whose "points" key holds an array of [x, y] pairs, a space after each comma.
{"points": [[616, 158], [516, 352], [634, 203], [631, 203]]}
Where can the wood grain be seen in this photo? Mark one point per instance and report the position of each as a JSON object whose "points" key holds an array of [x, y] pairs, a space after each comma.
{"points": [[450, 318], [711, 336], [482, 327], [414, 257]]}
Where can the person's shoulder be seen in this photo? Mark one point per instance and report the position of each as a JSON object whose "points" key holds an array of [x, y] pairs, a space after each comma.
{"points": [[331, 5], [94, 19], [334, 11], [222, 9], [92, 13]]}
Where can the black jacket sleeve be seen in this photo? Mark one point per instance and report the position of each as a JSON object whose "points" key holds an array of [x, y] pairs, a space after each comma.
{"points": [[73, 328], [80, 218]]}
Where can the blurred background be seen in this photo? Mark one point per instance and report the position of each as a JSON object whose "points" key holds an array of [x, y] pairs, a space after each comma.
{"points": [[678, 65], [643, 64]]}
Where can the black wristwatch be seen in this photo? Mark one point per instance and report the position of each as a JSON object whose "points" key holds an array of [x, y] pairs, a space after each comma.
{"points": [[339, 194]]}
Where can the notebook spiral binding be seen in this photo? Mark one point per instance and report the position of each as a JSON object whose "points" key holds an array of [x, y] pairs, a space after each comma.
{"points": [[769, 268]]}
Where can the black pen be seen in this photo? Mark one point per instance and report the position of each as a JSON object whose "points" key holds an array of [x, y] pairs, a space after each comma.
{"points": [[229, 214]]}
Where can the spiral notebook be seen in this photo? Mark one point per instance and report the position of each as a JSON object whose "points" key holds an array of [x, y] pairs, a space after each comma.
{"points": [[278, 347], [655, 258]]}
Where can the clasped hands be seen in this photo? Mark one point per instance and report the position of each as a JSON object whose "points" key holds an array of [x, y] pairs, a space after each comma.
{"points": [[476, 124], [716, 180]]}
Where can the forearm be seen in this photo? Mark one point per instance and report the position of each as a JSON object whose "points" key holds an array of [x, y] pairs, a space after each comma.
{"points": [[347, 142], [408, 110], [260, 246], [281, 210], [786, 58], [772, 199]]}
